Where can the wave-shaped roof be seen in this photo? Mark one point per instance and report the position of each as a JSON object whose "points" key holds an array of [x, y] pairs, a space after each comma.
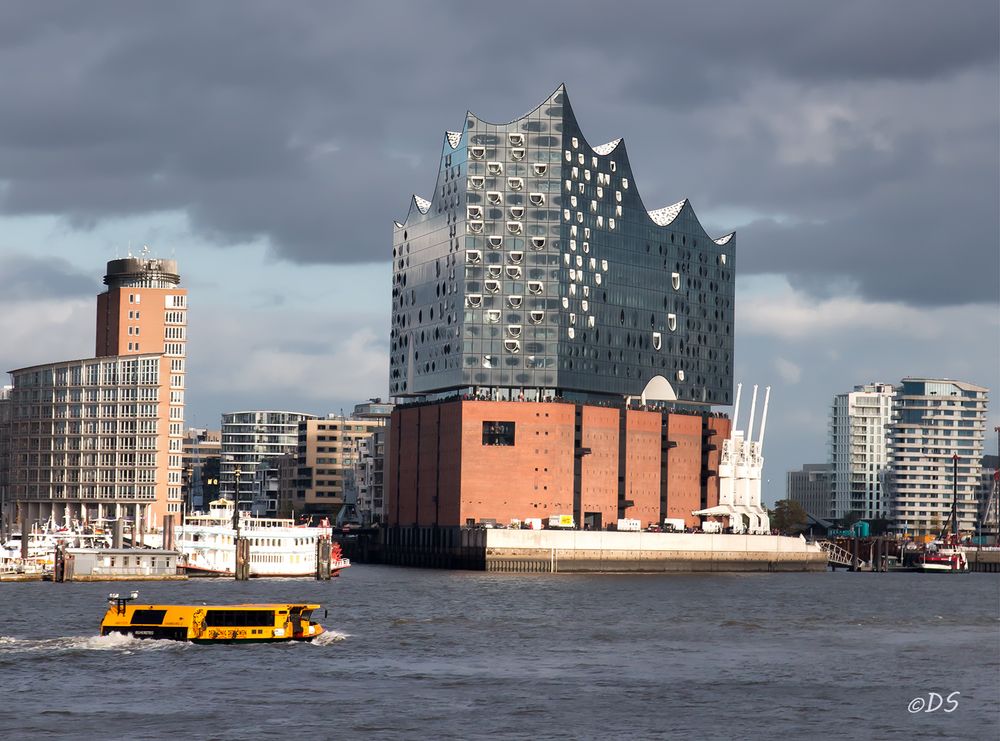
{"points": [[606, 149], [665, 215], [661, 216]]}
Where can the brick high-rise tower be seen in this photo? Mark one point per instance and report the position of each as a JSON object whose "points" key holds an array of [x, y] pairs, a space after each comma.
{"points": [[102, 437]]}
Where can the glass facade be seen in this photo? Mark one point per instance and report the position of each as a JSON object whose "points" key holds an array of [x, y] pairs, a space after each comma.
{"points": [[536, 270]]}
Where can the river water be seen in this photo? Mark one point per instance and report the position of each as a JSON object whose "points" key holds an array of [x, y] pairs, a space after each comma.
{"points": [[442, 654]]}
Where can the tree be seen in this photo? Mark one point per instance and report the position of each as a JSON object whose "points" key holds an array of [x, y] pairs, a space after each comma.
{"points": [[848, 520], [789, 517]]}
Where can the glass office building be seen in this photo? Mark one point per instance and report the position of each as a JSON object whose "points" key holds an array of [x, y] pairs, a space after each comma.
{"points": [[535, 270]]}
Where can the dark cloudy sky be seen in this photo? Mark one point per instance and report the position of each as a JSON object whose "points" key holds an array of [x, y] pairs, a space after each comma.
{"points": [[854, 146]]}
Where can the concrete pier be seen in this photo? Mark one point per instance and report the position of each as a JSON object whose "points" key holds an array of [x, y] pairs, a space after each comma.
{"points": [[577, 551]]}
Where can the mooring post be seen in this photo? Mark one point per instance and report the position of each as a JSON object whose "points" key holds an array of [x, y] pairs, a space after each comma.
{"points": [[324, 548], [854, 553], [118, 538]]}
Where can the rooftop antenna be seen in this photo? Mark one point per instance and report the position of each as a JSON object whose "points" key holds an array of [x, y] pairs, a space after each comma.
{"points": [[130, 248], [763, 418]]}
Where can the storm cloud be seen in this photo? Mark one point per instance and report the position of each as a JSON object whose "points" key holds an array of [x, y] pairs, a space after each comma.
{"points": [[855, 143]]}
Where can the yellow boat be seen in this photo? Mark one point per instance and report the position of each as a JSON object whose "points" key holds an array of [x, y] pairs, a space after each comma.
{"points": [[251, 623]]}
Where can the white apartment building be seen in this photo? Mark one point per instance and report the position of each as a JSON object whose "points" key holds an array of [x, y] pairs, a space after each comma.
{"points": [[249, 437], [858, 446], [935, 421]]}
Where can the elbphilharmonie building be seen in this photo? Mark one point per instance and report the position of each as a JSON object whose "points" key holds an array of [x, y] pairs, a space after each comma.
{"points": [[535, 270]]}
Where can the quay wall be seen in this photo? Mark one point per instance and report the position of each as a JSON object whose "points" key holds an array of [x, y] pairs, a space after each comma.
{"points": [[984, 560], [577, 551]]}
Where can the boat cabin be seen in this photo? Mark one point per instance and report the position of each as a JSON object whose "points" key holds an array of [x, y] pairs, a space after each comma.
{"points": [[211, 623]]}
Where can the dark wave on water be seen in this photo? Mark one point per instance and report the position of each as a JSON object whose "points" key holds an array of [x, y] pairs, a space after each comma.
{"points": [[459, 655]]}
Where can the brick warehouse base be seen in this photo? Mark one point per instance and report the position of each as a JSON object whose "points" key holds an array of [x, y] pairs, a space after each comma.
{"points": [[459, 462]]}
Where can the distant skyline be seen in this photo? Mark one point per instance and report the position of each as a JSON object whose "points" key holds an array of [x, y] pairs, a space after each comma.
{"points": [[854, 147]]}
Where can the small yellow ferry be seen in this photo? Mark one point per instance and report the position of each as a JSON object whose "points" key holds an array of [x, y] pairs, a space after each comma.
{"points": [[252, 623]]}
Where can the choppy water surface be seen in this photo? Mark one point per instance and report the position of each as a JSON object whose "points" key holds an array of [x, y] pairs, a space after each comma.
{"points": [[441, 654]]}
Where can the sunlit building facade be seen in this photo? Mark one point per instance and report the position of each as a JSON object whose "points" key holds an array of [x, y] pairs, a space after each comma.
{"points": [[535, 270], [556, 346], [939, 429], [101, 437], [859, 452]]}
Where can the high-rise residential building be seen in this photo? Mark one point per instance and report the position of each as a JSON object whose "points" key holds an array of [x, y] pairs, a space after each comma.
{"points": [[810, 487], [369, 477], [101, 437], [249, 437], [556, 345], [939, 424], [328, 451], [858, 445]]}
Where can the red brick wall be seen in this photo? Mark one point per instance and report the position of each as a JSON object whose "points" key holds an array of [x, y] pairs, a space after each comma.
{"points": [[427, 464], [403, 483], [450, 481], [721, 425], [533, 477], [642, 465], [684, 467], [599, 470]]}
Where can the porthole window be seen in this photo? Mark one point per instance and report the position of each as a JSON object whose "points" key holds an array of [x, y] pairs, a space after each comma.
{"points": [[672, 322], [494, 168], [539, 168], [477, 152]]}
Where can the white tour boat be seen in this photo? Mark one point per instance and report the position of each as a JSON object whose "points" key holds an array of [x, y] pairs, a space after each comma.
{"points": [[278, 547]]}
